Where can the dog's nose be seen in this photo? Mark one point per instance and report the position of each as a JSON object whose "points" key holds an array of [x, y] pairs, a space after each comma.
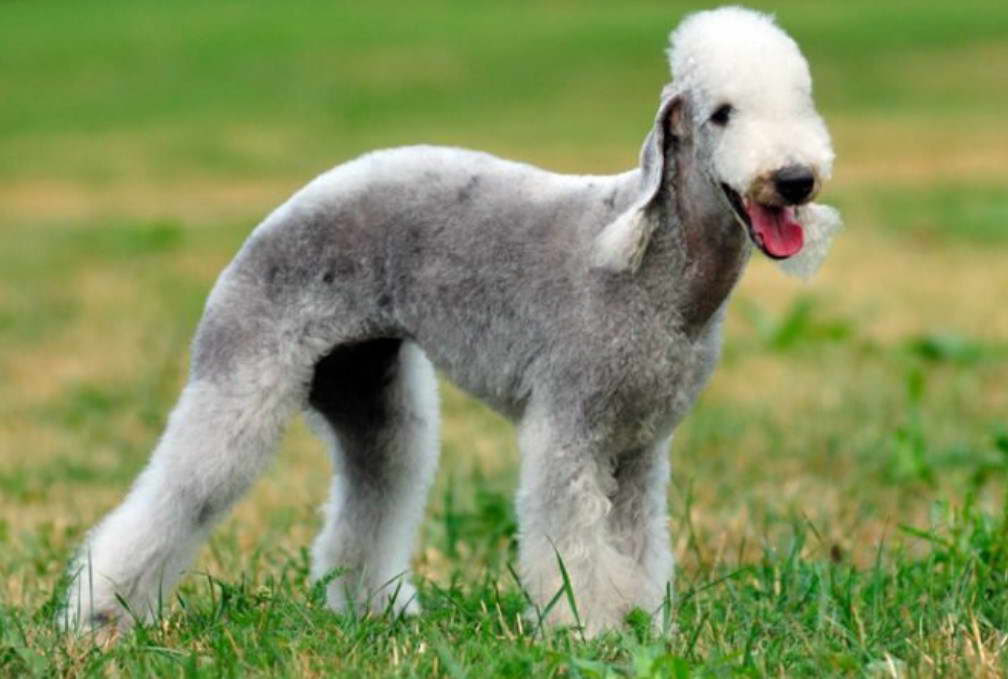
{"points": [[794, 183]]}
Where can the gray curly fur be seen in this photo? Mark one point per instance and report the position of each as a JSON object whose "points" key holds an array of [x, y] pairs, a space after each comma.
{"points": [[587, 309]]}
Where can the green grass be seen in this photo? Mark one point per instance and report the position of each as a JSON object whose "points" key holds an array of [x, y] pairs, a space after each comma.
{"points": [[838, 494], [796, 609], [975, 212]]}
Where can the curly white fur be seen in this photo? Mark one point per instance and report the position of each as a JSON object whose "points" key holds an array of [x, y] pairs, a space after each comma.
{"points": [[739, 56]]}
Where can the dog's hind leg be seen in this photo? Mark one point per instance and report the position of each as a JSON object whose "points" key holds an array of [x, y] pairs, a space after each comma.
{"points": [[375, 404], [220, 436]]}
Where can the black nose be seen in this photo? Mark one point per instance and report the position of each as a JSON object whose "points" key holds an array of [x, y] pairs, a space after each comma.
{"points": [[794, 183]]}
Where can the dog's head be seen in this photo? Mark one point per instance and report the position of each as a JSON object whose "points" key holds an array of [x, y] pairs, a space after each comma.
{"points": [[740, 113], [756, 127]]}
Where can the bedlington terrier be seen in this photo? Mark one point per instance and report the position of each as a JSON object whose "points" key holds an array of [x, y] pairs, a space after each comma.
{"points": [[587, 309]]}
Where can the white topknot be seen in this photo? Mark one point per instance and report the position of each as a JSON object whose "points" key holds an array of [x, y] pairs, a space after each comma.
{"points": [[733, 49]]}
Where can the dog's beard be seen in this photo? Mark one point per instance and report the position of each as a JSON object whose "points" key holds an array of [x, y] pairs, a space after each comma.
{"points": [[821, 224]]}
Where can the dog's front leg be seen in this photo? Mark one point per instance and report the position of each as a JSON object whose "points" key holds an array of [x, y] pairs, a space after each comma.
{"points": [[566, 513]]}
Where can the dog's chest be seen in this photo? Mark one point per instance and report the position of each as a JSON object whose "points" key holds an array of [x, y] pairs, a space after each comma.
{"points": [[656, 380], [684, 384]]}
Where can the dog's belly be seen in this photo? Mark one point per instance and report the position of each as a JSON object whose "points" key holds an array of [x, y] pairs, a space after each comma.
{"points": [[633, 392], [485, 370]]}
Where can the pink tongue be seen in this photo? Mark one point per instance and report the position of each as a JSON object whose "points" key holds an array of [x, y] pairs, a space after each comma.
{"points": [[776, 229]]}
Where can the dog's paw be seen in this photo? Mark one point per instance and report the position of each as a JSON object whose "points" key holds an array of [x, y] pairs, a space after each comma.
{"points": [[402, 600], [395, 597], [106, 623]]}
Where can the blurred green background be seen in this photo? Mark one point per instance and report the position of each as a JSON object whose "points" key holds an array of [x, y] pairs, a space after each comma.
{"points": [[141, 141]]}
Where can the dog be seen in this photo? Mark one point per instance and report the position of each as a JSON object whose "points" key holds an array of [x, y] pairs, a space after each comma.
{"points": [[587, 309]]}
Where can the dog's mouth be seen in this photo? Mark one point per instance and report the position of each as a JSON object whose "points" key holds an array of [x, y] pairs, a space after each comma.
{"points": [[774, 229]]}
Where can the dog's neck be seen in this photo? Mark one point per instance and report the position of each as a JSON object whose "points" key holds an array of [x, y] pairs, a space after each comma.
{"points": [[715, 244], [698, 250]]}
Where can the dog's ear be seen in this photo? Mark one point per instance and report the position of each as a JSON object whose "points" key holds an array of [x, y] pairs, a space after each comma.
{"points": [[656, 157], [622, 244]]}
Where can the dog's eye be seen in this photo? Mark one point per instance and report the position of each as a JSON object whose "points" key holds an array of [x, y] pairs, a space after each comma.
{"points": [[721, 115]]}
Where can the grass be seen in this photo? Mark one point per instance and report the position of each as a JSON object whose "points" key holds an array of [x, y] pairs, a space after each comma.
{"points": [[838, 500]]}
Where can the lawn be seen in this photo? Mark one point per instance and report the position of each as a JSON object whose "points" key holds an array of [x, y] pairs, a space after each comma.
{"points": [[838, 495]]}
